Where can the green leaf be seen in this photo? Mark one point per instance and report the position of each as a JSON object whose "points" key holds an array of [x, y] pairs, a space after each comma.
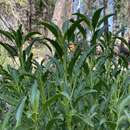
{"points": [[25, 127], [65, 26], [34, 98], [123, 29], [18, 37], [7, 35], [10, 49], [97, 34], [54, 29], [85, 19], [122, 40], [19, 112], [73, 61], [86, 68], [26, 124], [81, 29], [52, 122], [124, 103], [30, 35], [84, 119], [50, 101], [58, 48], [66, 95], [96, 17], [35, 40], [5, 122], [84, 95], [127, 114], [28, 63], [85, 54], [29, 47], [105, 18], [71, 30]]}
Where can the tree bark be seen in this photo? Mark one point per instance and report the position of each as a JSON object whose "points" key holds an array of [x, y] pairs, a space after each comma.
{"points": [[115, 17], [30, 16], [129, 18], [105, 3], [62, 11]]}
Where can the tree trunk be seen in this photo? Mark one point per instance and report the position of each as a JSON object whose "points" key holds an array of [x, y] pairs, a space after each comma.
{"points": [[129, 18], [62, 11], [115, 17], [30, 16], [105, 3]]}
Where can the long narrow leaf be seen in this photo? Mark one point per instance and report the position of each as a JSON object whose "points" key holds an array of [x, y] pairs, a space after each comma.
{"points": [[30, 35], [53, 29], [58, 48], [19, 112], [73, 61], [81, 29], [85, 120], [50, 101], [105, 18], [96, 17], [7, 35], [10, 49], [85, 18], [72, 28]]}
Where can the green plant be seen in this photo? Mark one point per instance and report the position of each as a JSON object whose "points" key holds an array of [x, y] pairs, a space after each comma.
{"points": [[16, 46], [74, 90]]}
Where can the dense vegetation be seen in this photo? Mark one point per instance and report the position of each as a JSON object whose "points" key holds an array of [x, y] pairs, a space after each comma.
{"points": [[76, 89]]}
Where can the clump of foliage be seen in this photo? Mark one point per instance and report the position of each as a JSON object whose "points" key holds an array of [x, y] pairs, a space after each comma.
{"points": [[77, 89]]}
